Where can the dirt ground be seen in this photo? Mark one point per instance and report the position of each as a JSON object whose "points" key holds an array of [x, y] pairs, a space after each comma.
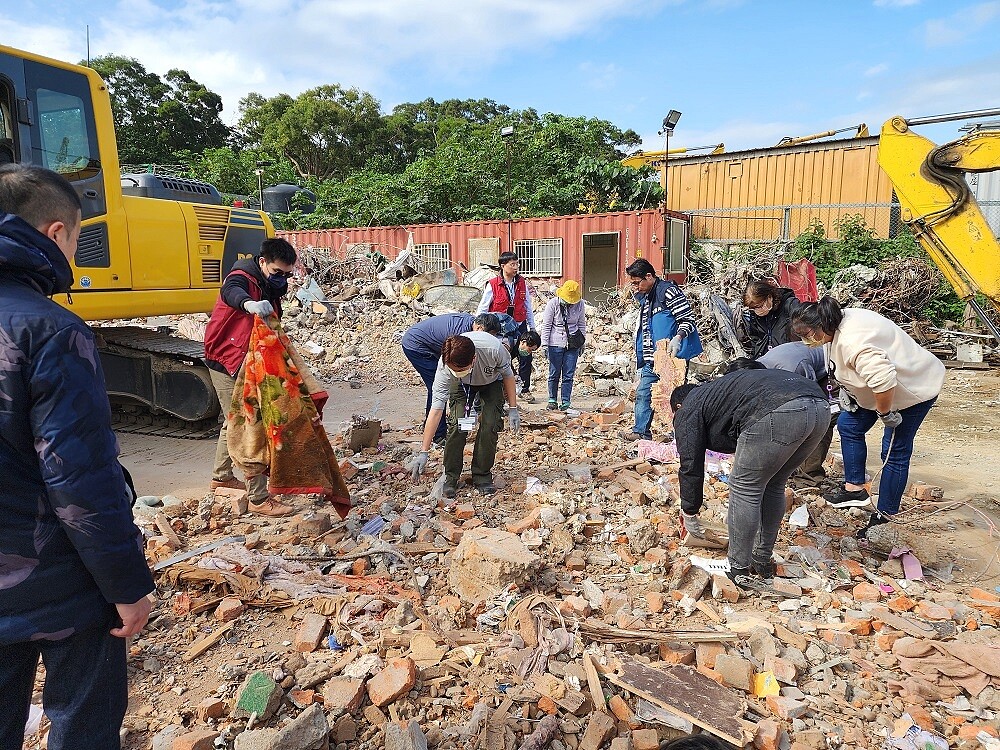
{"points": [[956, 450]]}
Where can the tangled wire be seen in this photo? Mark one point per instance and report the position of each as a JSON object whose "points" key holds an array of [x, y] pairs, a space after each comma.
{"points": [[898, 289], [320, 264]]}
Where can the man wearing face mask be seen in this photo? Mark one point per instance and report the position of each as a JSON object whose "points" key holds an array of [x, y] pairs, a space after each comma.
{"points": [[473, 364], [254, 286]]}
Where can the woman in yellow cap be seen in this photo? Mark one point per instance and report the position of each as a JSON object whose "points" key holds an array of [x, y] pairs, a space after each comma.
{"points": [[563, 329]]}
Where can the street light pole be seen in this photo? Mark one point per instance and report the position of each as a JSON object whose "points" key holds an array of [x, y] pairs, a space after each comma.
{"points": [[669, 123], [507, 133], [260, 180]]}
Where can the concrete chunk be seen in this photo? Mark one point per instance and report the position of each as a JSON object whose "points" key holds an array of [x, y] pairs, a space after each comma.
{"points": [[487, 562]]}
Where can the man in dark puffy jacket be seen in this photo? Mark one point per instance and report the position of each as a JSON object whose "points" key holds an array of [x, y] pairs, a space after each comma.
{"points": [[254, 286], [73, 579]]}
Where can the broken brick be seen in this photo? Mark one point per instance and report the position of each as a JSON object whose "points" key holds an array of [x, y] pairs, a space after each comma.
{"points": [[785, 708], [866, 592], [673, 653], [210, 708], [344, 693], [464, 511], [200, 739], [724, 588], [768, 735], [706, 653], [839, 638], [229, 609], [600, 729], [393, 682], [623, 712], [735, 670], [310, 632], [645, 739]]}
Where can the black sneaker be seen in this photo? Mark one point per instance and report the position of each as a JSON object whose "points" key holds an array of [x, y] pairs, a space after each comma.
{"points": [[449, 490], [849, 498], [741, 577], [486, 488], [873, 520], [764, 569]]}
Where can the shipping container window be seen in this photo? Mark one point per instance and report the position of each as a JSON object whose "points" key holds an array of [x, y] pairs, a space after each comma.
{"points": [[540, 257], [434, 256]]}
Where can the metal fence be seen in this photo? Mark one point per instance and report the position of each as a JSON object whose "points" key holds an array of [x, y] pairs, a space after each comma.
{"points": [[727, 226]]}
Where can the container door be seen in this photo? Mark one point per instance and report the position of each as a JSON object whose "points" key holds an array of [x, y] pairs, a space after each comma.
{"points": [[600, 267]]}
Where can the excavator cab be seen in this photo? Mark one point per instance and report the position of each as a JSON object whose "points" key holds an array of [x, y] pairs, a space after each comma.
{"points": [[142, 253]]}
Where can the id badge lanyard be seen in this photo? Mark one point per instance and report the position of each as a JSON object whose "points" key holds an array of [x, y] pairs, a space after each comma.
{"points": [[831, 373]]}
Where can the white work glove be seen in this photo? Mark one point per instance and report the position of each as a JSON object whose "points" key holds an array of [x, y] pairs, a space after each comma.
{"points": [[514, 419], [417, 465], [691, 525], [674, 347], [891, 419], [847, 402], [262, 308]]}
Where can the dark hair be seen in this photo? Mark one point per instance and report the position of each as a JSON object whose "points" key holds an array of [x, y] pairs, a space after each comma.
{"points": [[506, 257], [701, 741], [762, 289], [278, 249], [744, 363], [679, 393], [489, 322], [639, 268], [531, 338], [458, 352], [39, 196], [825, 315]]}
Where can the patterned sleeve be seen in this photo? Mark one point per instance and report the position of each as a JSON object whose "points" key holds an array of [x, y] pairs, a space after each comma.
{"points": [[677, 302], [78, 457]]}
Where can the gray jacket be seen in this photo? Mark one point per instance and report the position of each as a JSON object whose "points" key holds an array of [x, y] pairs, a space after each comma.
{"points": [[492, 363], [552, 330]]}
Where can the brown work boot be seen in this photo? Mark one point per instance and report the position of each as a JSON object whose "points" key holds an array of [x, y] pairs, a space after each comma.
{"points": [[271, 507], [232, 483]]}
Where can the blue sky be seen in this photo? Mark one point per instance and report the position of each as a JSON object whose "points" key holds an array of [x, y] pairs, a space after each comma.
{"points": [[742, 72]]}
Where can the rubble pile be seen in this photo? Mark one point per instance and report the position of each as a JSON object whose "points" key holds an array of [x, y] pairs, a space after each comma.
{"points": [[565, 612]]}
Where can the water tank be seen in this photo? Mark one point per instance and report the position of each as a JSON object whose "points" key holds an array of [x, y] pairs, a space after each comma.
{"points": [[284, 198]]}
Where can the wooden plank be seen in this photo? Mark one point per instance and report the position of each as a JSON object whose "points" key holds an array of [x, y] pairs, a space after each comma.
{"points": [[687, 693], [909, 625], [163, 524], [201, 646], [495, 726], [594, 683]]}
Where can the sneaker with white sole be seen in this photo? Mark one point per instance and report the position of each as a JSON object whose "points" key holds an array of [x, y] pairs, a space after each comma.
{"points": [[849, 498]]}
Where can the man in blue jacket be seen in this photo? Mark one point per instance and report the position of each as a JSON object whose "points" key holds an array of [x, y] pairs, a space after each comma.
{"points": [[73, 579], [664, 314]]}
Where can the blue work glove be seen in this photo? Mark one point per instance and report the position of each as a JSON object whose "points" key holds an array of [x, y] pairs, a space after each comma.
{"points": [[262, 308], [891, 419]]}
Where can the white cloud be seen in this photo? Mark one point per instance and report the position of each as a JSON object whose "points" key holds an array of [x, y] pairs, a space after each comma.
{"points": [[961, 25], [895, 3], [271, 46], [601, 77], [875, 70]]}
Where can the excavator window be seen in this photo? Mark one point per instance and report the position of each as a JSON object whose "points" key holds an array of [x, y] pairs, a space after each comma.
{"points": [[6, 126]]}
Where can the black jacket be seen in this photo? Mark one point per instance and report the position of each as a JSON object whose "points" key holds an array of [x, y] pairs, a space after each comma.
{"points": [[713, 416], [763, 333]]}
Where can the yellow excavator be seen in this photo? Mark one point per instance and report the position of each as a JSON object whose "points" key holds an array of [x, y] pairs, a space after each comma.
{"points": [[150, 245], [937, 203]]}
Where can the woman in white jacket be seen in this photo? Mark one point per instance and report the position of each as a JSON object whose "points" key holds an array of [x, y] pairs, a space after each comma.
{"points": [[884, 375]]}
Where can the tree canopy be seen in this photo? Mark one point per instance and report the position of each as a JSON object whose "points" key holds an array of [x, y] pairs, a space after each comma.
{"points": [[156, 118]]}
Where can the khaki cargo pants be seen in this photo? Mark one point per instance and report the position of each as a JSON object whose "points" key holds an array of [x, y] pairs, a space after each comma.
{"points": [[223, 469]]}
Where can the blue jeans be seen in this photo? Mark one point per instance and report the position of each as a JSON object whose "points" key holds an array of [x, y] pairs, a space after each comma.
{"points": [[644, 401], [767, 453], [85, 693], [853, 426], [562, 368], [426, 366]]}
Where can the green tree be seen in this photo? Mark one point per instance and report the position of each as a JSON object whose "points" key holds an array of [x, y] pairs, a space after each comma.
{"points": [[326, 132], [156, 118]]}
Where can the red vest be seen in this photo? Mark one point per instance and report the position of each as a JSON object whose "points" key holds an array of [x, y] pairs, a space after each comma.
{"points": [[501, 297], [227, 336]]}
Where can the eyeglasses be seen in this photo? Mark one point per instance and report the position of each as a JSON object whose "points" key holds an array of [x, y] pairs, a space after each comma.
{"points": [[760, 305], [636, 281]]}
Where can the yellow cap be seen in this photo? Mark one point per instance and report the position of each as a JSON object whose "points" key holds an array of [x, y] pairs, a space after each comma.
{"points": [[569, 292]]}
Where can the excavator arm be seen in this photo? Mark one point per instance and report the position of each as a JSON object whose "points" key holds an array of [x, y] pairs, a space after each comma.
{"points": [[938, 206]]}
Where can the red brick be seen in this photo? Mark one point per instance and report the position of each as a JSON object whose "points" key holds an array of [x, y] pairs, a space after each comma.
{"points": [[885, 640], [866, 592], [679, 655], [785, 708], [210, 708], [200, 739], [310, 632], [645, 739], [530, 521], [723, 588], [839, 638], [450, 531], [303, 698], [576, 562], [575, 605], [983, 595], [600, 729], [706, 653], [464, 511], [392, 682], [786, 587], [229, 609], [360, 566], [768, 735], [784, 671], [547, 705], [623, 712], [859, 625], [853, 567], [343, 692], [655, 556], [969, 731], [933, 611], [654, 601], [921, 717], [901, 603]]}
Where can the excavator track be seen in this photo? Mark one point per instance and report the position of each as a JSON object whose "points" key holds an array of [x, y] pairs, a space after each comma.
{"points": [[158, 384]]}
